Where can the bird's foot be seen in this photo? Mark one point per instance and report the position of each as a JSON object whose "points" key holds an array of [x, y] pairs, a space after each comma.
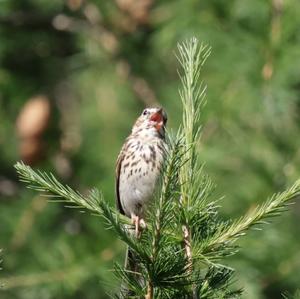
{"points": [[135, 221], [139, 224], [142, 223]]}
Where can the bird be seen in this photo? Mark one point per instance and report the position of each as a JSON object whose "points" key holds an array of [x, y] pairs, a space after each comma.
{"points": [[139, 165]]}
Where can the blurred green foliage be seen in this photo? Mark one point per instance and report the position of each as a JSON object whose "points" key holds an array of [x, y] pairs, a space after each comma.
{"points": [[98, 63]]}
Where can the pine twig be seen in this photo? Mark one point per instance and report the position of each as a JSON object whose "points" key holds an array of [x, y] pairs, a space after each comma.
{"points": [[47, 183], [191, 57], [273, 207]]}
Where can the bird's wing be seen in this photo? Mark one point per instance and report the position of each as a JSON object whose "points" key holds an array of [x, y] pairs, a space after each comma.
{"points": [[118, 171]]}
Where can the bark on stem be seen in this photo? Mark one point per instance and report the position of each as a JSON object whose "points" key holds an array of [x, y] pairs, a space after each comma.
{"points": [[188, 252], [149, 294], [187, 244]]}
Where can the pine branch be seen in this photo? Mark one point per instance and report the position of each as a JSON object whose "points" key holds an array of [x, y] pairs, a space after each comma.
{"points": [[94, 202], [228, 234], [47, 183], [43, 182], [191, 57], [164, 208]]}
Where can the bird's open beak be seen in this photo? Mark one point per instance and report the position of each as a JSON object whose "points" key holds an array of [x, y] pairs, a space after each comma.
{"points": [[160, 118]]}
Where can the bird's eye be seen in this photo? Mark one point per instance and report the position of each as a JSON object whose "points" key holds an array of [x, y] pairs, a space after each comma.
{"points": [[145, 112]]}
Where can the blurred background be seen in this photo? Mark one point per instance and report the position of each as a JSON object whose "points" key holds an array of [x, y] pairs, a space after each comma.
{"points": [[75, 74]]}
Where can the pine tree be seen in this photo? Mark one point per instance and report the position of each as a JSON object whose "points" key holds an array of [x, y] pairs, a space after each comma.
{"points": [[182, 252]]}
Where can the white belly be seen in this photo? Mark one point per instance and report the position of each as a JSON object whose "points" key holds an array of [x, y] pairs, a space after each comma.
{"points": [[138, 179]]}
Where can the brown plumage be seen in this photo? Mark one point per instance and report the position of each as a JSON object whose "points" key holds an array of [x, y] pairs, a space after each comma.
{"points": [[139, 164]]}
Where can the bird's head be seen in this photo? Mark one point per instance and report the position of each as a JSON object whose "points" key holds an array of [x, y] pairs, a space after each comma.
{"points": [[151, 121]]}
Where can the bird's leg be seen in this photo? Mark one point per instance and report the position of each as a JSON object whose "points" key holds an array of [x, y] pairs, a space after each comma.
{"points": [[136, 221], [139, 223]]}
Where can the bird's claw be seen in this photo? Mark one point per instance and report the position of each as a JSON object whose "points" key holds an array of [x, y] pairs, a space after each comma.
{"points": [[142, 223], [139, 224]]}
